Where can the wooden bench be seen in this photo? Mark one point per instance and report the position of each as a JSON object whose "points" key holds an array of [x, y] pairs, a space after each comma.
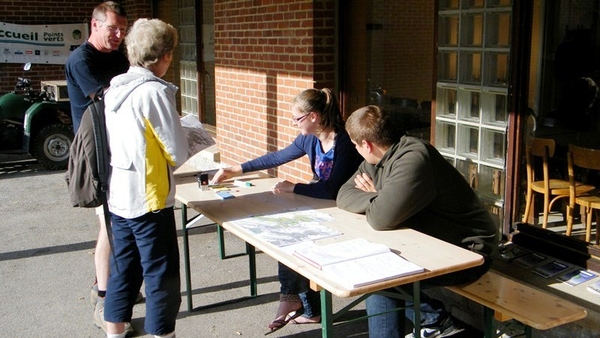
{"points": [[506, 299]]}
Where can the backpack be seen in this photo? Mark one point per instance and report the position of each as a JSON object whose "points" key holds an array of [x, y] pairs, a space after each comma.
{"points": [[89, 164], [88, 169], [89, 159]]}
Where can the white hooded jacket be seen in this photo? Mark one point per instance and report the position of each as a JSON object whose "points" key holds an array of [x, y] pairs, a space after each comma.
{"points": [[146, 142]]}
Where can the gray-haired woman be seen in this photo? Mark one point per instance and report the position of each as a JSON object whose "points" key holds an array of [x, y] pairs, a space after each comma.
{"points": [[146, 142]]}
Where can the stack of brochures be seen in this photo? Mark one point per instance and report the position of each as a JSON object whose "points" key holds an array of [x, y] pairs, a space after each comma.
{"points": [[510, 251], [577, 277], [548, 267], [530, 260], [357, 262], [551, 269], [541, 264]]}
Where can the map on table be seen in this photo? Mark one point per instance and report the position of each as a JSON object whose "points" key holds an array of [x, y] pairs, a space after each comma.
{"points": [[289, 227]]}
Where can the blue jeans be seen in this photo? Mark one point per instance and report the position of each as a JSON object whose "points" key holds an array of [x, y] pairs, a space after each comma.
{"points": [[294, 283], [145, 250], [387, 325]]}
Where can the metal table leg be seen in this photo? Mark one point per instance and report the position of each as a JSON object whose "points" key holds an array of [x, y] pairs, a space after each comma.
{"points": [[417, 307], [222, 250], [252, 266], [489, 331], [186, 257], [186, 225], [326, 314]]}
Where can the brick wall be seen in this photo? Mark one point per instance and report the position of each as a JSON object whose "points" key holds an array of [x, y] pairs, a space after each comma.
{"points": [[265, 54], [52, 12]]}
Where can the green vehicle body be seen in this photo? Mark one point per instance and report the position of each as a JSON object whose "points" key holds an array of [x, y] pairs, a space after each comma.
{"points": [[34, 123]]}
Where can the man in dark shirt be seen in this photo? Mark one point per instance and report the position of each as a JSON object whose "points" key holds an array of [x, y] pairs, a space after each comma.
{"points": [[89, 70], [92, 65]]}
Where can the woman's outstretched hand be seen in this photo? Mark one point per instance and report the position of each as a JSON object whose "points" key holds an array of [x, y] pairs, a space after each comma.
{"points": [[226, 173]]}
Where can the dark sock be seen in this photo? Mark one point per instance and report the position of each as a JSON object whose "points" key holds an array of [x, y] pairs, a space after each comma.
{"points": [[101, 293]]}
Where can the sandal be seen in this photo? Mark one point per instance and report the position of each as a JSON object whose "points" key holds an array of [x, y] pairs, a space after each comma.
{"points": [[305, 320], [282, 319]]}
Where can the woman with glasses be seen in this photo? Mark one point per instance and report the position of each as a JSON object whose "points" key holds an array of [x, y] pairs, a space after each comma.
{"points": [[333, 160]]}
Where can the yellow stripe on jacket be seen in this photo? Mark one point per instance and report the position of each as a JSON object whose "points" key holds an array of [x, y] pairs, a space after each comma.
{"points": [[157, 172]]}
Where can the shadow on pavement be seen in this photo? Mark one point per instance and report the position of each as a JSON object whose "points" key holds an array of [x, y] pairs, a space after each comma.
{"points": [[5, 256], [19, 165]]}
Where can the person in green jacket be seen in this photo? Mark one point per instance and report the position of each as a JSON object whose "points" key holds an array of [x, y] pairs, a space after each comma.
{"points": [[405, 182]]}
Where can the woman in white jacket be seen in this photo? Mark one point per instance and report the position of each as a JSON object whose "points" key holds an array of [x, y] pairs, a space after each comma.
{"points": [[146, 142]]}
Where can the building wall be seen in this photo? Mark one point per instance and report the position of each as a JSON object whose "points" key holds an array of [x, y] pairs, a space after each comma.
{"points": [[267, 52], [167, 12], [402, 40], [49, 12]]}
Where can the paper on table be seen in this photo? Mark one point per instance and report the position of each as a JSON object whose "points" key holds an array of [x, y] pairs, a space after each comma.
{"points": [[289, 226], [202, 149], [198, 138], [371, 269], [319, 256]]}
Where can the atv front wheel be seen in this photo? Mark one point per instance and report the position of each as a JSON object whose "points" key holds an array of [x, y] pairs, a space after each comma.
{"points": [[51, 146]]}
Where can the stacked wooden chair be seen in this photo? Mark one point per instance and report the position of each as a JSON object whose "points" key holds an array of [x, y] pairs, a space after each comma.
{"points": [[583, 161]]}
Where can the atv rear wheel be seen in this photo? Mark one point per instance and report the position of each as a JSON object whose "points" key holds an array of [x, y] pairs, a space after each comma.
{"points": [[51, 146]]}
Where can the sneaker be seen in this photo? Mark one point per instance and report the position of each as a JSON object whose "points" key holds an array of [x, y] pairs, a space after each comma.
{"points": [[101, 323], [170, 335], [94, 296], [446, 327]]}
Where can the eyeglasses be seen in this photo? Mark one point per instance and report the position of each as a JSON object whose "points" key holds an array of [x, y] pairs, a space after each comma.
{"points": [[300, 118], [115, 29]]}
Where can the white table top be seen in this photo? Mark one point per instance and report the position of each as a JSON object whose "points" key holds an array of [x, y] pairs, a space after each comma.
{"points": [[436, 256]]}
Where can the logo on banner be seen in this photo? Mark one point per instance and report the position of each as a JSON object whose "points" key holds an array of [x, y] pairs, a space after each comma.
{"points": [[48, 44]]}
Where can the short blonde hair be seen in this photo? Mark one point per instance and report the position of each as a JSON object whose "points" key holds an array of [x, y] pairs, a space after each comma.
{"points": [[148, 41], [372, 124]]}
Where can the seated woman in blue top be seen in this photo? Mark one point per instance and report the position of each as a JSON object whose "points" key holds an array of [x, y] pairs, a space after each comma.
{"points": [[333, 160]]}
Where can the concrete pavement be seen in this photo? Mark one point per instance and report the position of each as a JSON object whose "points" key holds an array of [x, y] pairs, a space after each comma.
{"points": [[46, 269]]}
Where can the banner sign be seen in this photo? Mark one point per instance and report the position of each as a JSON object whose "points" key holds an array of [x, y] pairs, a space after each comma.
{"points": [[47, 44]]}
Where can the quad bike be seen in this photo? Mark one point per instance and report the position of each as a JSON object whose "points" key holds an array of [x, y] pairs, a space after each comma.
{"points": [[37, 123]]}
